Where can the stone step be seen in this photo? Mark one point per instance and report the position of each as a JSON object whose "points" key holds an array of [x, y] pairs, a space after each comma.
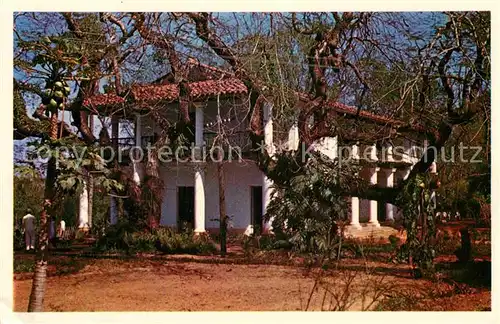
{"points": [[368, 231]]}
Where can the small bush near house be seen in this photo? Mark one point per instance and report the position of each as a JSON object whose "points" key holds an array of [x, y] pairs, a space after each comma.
{"points": [[141, 241], [115, 237], [394, 240], [169, 241], [19, 243], [124, 237]]}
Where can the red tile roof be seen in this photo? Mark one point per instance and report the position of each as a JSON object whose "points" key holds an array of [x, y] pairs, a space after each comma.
{"points": [[103, 100], [342, 108], [218, 82], [363, 113], [217, 87], [170, 92], [158, 92]]}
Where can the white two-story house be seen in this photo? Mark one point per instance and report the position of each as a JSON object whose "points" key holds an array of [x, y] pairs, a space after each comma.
{"points": [[191, 185]]}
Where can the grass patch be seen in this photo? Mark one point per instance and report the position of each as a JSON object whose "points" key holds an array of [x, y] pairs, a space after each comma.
{"points": [[64, 266], [398, 303], [24, 265], [57, 265]]}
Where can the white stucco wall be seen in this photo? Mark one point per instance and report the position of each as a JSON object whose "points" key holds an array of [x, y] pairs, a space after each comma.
{"points": [[239, 178], [327, 146]]}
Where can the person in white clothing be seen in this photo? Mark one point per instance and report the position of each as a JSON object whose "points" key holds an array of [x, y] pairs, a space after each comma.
{"points": [[29, 230], [62, 229]]}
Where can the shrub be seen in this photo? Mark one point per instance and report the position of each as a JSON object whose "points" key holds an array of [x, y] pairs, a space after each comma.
{"points": [[18, 240], [24, 265], [116, 237], [394, 240], [141, 241], [124, 237], [310, 203], [168, 241]]}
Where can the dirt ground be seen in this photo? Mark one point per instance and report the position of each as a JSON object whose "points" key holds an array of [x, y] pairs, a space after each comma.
{"points": [[179, 285], [143, 286]]}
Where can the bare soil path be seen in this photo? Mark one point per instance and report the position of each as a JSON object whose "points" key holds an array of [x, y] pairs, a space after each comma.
{"points": [[179, 285]]}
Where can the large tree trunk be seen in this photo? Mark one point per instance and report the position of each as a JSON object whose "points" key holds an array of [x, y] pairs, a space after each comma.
{"points": [[41, 260], [155, 190], [90, 179], [90, 188], [222, 205], [115, 124]]}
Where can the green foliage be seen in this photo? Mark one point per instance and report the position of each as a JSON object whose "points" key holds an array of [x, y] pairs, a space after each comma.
{"points": [[418, 210], [28, 193], [309, 205], [115, 237], [23, 120], [18, 240], [74, 166], [125, 237], [67, 209], [141, 241], [63, 265], [394, 240], [24, 265], [100, 211], [403, 302], [171, 242], [265, 243]]}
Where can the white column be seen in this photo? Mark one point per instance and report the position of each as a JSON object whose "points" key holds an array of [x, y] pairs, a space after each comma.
{"points": [[199, 177], [389, 208], [268, 128], [333, 147], [266, 199], [373, 153], [293, 138], [113, 211], [138, 143], [355, 213], [373, 203], [269, 144], [83, 211], [355, 200], [199, 200], [433, 171]]}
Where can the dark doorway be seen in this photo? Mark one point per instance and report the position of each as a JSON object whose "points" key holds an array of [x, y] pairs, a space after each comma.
{"points": [[380, 212], [256, 205], [185, 203]]}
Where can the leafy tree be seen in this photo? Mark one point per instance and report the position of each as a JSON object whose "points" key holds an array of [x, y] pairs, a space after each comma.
{"points": [[428, 71], [53, 60]]}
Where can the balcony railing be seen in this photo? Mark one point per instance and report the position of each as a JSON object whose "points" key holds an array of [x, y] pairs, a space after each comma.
{"points": [[129, 142], [236, 140]]}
